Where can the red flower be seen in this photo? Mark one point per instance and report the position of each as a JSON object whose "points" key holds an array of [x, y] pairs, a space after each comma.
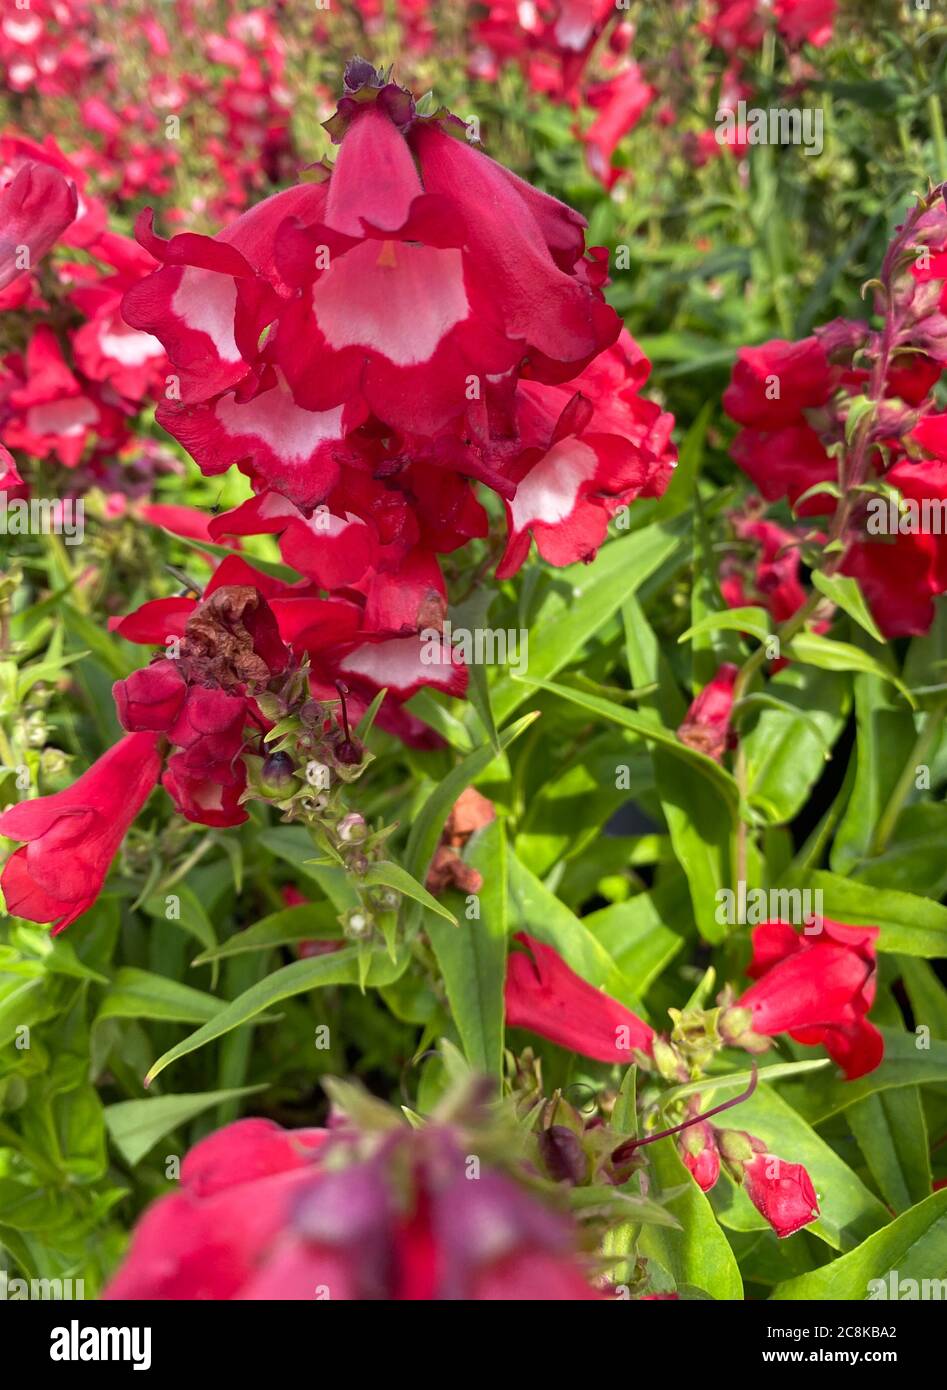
{"points": [[271, 1214], [900, 574], [772, 384], [741, 24], [697, 1147], [73, 835], [620, 101], [35, 209], [150, 698], [106, 349], [18, 151], [781, 1192], [11, 484], [50, 409], [586, 448], [204, 1241], [817, 987], [805, 21], [545, 996], [706, 725], [229, 643], [409, 285], [774, 579]]}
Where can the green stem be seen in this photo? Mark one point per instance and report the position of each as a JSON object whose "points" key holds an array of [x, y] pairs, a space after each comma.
{"points": [[937, 132]]}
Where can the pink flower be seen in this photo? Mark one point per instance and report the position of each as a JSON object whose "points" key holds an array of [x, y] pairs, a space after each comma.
{"points": [[697, 1147], [620, 101], [50, 409], [35, 209], [409, 285]]}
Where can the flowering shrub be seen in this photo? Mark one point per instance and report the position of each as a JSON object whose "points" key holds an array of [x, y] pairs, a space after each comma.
{"points": [[472, 631]]}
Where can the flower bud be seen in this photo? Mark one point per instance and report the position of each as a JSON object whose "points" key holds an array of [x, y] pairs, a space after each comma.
{"points": [[698, 1151], [278, 775], [352, 828], [357, 924], [563, 1156]]}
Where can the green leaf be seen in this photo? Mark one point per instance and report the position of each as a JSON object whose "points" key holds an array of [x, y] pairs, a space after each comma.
{"points": [[755, 621], [135, 1126], [785, 748], [886, 735], [540, 913], [140, 994], [678, 496], [384, 874], [720, 779], [927, 995], [635, 936], [271, 567], [910, 925], [472, 955], [294, 844], [699, 1253], [739, 1080], [473, 616], [912, 1247], [829, 655], [892, 1134], [699, 819], [597, 591], [192, 916], [336, 968], [845, 594], [427, 706], [306, 922], [904, 1064]]}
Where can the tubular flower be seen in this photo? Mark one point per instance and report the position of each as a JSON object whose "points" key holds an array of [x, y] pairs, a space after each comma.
{"points": [[413, 284], [781, 1192], [545, 996], [266, 1213], [72, 836], [706, 725], [817, 987], [35, 209]]}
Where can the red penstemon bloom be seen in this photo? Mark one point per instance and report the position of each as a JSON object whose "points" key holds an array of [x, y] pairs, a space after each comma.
{"points": [[781, 1192], [36, 207], [817, 987], [72, 836], [265, 1213], [334, 270], [544, 995], [706, 726], [794, 401], [585, 449]]}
